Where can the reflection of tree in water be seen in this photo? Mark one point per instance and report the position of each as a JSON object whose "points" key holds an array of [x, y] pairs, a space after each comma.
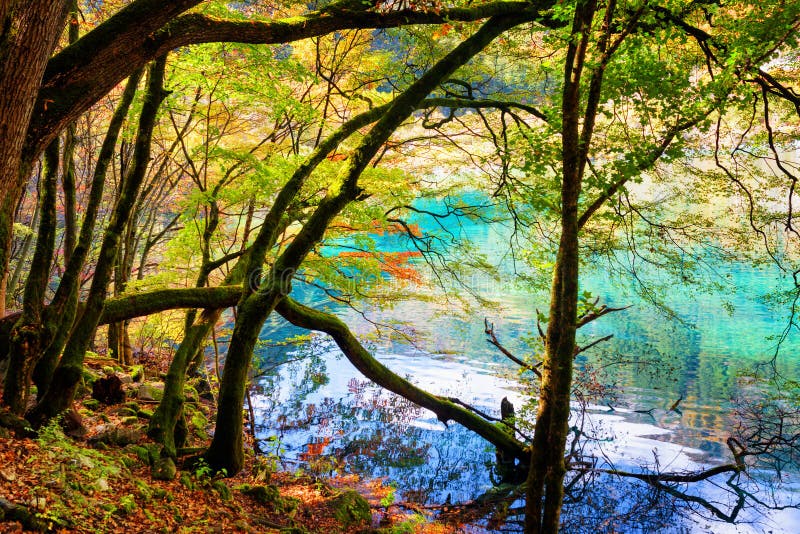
{"points": [[368, 432], [378, 435]]}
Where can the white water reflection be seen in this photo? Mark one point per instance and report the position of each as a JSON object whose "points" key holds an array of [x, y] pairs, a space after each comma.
{"points": [[450, 462]]}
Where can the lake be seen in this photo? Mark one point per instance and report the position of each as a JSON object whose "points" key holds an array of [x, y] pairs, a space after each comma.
{"points": [[315, 411]]}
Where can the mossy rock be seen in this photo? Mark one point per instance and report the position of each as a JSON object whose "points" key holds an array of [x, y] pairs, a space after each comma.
{"points": [[270, 495], [137, 373], [350, 508], [127, 412], [153, 391], [222, 490], [191, 394], [118, 436], [264, 494], [145, 414], [89, 376], [16, 424], [164, 469], [91, 404], [12, 512]]}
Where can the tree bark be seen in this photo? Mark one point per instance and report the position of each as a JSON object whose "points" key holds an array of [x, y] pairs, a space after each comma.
{"points": [[28, 337], [545, 483], [60, 394], [30, 31]]}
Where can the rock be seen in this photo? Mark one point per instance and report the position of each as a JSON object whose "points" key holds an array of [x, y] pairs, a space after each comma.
{"points": [[101, 484], [203, 389], [164, 469], [126, 412], [117, 436], [91, 404], [137, 373], [263, 494], [38, 503], [108, 390], [15, 423], [350, 508], [125, 378], [12, 512], [89, 376], [191, 394], [152, 391], [8, 475], [85, 462]]}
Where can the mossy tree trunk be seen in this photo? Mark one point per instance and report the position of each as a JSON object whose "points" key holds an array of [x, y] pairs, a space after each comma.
{"points": [[545, 482], [445, 409], [29, 32], [60, 394], [29, 335], [169, 413], [226, 451], [63, 308]]}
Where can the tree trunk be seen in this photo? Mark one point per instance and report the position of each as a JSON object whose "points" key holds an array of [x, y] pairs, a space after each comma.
{"points": [[63, 309], [67, 375], [226, 451], [545, 483], [29, 336], [70, 142], [30, 31], [21, 261]]}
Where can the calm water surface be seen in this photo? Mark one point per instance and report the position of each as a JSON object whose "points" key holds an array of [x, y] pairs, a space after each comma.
{"points": [[318, 402]]}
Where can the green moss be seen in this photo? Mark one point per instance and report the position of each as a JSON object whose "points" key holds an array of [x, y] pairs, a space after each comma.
{"points": [[350, 508], [187, 481], [222, 490], [270, 495], [141, 452]]}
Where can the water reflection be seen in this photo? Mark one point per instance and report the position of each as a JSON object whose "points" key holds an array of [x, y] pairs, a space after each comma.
{"points": [[671, 396]]}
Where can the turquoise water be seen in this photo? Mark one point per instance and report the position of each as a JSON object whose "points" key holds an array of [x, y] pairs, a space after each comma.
{"points": [[703, 356]]}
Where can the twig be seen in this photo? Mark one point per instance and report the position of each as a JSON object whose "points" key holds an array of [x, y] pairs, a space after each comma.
{"points": [[579, 349], [486, 416], [489, 329], [591, 315]]}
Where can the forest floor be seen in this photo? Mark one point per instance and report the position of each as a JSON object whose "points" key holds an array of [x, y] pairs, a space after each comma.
{"points": [[102, 482]]}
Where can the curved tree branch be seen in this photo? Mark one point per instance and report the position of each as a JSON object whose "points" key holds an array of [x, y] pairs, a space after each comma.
{"points": [[371, 368]]}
